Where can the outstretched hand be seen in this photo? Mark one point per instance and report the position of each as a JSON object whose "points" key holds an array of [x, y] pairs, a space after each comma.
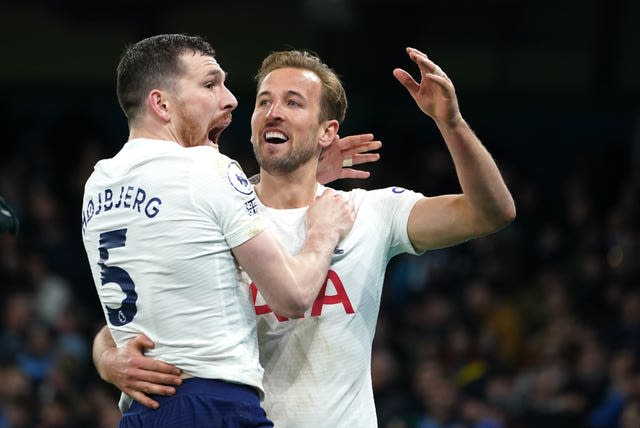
{"points": [[435, 94], [337, 159], [136, 375]]}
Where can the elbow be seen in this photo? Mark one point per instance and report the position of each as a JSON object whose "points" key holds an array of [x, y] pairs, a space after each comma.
{"points": [[504, 215], [496, 219], [302, 302], [508, 212], [295, 305], [292, 310]]}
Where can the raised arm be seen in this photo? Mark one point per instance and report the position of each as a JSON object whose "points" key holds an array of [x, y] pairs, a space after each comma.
{"points": [[130, 371], [485, 204], [289, 284]]}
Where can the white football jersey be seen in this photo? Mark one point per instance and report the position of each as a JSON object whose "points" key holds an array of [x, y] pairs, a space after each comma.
{"points": [[158, 223], [318, 368]]}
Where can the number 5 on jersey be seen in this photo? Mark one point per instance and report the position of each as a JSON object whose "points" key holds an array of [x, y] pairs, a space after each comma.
{"points": [[113, 274]]}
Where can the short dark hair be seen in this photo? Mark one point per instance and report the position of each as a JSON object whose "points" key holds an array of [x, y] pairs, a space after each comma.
{"points": [[152, 63], [333, 98]]}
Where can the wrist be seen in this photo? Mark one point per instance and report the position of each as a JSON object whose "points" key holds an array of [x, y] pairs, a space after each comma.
{"points": [[452, 123], [323, 238]]}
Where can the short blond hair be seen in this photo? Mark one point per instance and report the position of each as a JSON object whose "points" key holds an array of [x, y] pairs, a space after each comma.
{"points": [[333, 98]]}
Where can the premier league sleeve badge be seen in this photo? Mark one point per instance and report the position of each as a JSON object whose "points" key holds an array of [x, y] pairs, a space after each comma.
{"points": [[238, 179]]}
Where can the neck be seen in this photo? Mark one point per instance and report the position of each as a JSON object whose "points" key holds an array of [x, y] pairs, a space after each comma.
{"points": [[152, 130], [296, 189]]}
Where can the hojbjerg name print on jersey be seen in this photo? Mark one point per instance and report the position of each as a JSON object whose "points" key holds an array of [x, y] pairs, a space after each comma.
{"points": [[126, 197]]}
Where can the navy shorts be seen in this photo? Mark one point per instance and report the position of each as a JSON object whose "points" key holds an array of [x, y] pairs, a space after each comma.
{"points": [[201, 403]]}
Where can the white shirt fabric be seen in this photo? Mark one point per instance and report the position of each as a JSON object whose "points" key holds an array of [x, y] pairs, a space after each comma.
{"points": [[183, 210], [318, 368]]}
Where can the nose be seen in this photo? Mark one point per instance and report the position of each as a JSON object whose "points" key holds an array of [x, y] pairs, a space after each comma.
{"points": [[274, 111], [229, 100]]}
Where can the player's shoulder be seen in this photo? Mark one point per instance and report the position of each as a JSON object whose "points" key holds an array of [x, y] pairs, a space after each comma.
{"points": [[209, 159], [382, 201], [384, 193], [215, 167]]}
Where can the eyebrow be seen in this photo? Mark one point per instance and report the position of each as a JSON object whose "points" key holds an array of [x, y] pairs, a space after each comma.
{"points": [[289, 93], [216, 73]]}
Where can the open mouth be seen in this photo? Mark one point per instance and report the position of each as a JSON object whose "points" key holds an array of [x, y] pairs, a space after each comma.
{"points": [[275, 137], [214, 134], [218, 126]]}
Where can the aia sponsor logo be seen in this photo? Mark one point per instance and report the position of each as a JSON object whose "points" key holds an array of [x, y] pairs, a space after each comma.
{"points": [[339, 298]]}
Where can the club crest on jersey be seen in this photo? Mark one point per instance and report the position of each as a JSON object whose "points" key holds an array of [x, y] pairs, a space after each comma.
{"points": [[238, 180]]}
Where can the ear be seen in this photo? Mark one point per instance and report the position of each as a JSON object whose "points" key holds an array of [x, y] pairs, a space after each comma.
{"points": [[158, 104], [329, 132]]}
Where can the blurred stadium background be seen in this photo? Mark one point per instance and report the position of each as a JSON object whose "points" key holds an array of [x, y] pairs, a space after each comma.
{"points": [[538, 325]]}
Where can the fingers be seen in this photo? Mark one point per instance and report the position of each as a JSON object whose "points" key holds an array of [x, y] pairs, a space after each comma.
{"points": [[157, 372], [358, 159], [354, 144], [362, 148], [327, 192], [152, 388], [133, 353], [346, 143], [332, 209], [355, 158], [428, 70], [141, 391], [153, 384], [141, 342], [143, 399], [406, 80], [345, 152], [332, 195], [424, 63], [137, 370], [354, 173], [141, 379], [354, 148], [412, 86]]}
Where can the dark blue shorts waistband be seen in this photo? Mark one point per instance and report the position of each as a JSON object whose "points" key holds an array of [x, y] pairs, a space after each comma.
{"points": [[201, 403], [218, 388]]}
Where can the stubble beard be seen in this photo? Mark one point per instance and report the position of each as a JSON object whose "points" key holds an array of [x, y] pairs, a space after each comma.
{"points": [[286, 163], [189, 129]]}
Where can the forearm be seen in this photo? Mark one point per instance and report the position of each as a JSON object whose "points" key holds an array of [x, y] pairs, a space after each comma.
{"points": [[289, 283], [130, 371], [291, 287], [102, 342], [311, 264], [482, 184]]}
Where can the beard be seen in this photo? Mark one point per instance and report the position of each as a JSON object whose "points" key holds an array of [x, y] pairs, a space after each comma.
{"points": [[285, 163], [190, 131]]}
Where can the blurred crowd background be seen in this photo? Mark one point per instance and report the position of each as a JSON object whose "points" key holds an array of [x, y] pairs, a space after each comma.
{"points": [[535, 326]]}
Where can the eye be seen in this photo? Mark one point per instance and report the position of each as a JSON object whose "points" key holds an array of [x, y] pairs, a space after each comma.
{"points": [[293, 103], [263, 102]]}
